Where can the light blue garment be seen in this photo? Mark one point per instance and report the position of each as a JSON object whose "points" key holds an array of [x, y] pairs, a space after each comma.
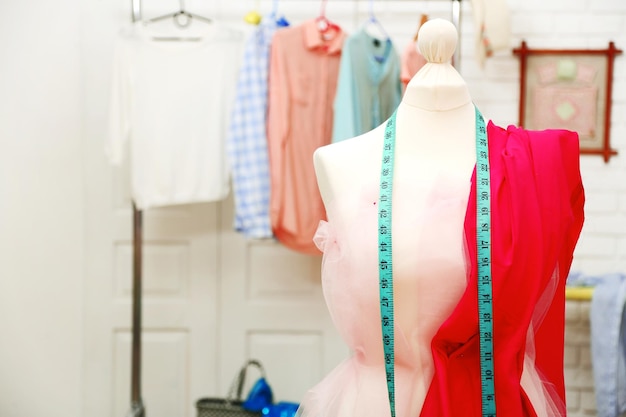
{"points": [[578, 279], [608, 344], [368, 88], [247, 141]]}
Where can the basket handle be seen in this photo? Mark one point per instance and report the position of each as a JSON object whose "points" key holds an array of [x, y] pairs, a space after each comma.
{"points": [[236, 387]]}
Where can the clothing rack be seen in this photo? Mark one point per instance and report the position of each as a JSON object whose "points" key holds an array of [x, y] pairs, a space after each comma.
{"points": [[137, 407]]}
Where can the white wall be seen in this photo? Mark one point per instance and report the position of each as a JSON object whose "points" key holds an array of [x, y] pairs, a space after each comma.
{"points": [[45, 49], [41, 209]]}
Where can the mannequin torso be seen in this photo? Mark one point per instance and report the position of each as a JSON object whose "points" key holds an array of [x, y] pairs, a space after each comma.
{"points": [[434, 160]]}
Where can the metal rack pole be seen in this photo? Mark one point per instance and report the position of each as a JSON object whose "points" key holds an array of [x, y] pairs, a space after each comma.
{"points": [[137, 408]]}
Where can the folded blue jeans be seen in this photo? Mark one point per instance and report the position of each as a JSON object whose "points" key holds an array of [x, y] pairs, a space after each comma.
{"points": [[608, 344]]}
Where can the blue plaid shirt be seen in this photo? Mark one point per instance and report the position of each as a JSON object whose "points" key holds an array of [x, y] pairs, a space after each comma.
{"points": [[247, 141]]}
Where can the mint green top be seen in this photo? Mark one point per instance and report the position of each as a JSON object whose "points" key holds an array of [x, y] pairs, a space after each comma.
{"points": [[369, 87]]}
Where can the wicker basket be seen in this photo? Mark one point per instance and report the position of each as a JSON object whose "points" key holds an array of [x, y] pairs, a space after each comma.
{"points": [[221, 407], [231, 406]]}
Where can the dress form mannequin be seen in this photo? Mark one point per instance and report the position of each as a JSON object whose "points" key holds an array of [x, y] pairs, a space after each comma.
{"points": [[434, 162]]}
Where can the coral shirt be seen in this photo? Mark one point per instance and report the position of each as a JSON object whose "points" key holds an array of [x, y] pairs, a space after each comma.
{"points": [[304, 66], [537, 216]]}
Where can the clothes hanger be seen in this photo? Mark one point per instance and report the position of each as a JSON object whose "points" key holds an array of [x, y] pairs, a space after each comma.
{"points": [[326, 28], [423, 19], [280, 21], [182, 18], [373, 21], [253, 17]]}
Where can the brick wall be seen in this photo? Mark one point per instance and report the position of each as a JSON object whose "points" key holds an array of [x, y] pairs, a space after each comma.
{"points": [[578, 373]]}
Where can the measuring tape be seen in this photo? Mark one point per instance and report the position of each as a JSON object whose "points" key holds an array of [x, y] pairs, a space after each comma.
{"points": [[483, 242], [385, 263]]}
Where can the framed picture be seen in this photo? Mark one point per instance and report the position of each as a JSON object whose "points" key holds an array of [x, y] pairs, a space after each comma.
{"points": [[569, 89]]}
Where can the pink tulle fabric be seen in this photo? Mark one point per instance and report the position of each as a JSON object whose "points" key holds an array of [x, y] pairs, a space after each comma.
{"points": [[429, 278]]}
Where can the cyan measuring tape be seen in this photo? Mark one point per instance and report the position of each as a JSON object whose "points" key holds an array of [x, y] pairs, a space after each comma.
{"points": [[483, 242], [385, 263]]}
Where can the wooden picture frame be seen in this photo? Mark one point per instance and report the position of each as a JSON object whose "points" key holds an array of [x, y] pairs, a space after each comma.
{"points": [[569, 89]]}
